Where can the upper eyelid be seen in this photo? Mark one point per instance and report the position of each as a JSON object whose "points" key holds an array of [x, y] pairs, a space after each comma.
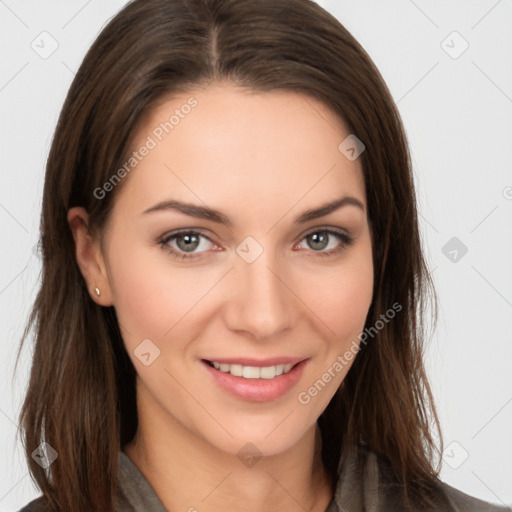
{"points": [[173, 234]]}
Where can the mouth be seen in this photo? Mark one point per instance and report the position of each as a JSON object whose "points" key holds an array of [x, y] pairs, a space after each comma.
{"points": [[253, 380]]}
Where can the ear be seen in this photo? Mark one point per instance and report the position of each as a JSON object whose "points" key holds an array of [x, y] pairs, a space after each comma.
{"points": [[89, 257]]}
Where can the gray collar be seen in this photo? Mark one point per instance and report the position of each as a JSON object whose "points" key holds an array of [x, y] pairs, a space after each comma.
{"points": [[365, 483]]}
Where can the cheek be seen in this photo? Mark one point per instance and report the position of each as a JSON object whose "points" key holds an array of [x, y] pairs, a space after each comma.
{"points": [[342, 297], [151, 297]]}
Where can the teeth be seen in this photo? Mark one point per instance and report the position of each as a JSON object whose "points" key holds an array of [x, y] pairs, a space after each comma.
{"points": [[253, 372]]}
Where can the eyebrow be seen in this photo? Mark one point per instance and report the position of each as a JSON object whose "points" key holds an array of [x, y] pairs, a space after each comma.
{"points": [[202, 212]]}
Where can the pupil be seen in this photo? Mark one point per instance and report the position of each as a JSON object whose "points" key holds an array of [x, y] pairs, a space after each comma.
{"points": [[190, 240], [318, 238]]}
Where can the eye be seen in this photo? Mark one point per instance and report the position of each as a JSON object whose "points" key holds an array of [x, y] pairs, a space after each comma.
{"points": [[320, 239], [182, 244]]}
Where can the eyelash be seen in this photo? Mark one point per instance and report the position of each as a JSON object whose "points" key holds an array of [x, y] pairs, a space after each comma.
{"points": [[345, 239]]}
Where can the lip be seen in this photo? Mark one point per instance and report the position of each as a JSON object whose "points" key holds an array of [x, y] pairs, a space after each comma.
{"points": [[257, 390]]}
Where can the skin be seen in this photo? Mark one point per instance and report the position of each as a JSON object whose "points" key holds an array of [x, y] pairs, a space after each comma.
{"points": [[262, 159]]}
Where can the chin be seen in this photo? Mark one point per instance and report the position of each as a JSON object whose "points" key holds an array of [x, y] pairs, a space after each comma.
{"points": [[268, 436]]}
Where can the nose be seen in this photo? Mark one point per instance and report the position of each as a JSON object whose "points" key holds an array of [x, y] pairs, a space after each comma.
{"points": [[261, 302]]}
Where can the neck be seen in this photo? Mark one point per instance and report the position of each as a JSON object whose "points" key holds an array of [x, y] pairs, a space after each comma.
{"points": [[188, 473]]}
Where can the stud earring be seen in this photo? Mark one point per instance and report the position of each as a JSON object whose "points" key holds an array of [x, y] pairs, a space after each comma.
{"points": [[98, 293]]}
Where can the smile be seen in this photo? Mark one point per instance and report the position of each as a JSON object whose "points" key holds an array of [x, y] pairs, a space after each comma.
{"points": [[268, 381]]}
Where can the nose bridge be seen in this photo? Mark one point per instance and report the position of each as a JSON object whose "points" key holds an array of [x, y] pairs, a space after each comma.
{"points": [[261, 303]]}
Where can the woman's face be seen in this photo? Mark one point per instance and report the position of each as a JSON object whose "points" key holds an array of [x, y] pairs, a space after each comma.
{"points": [[259, 284]]}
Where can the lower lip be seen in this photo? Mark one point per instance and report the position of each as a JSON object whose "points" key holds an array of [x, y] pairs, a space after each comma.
{"points": [[257, 390]]}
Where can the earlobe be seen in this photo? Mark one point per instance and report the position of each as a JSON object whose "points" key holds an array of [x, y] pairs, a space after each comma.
{"points": [[89, 257]]}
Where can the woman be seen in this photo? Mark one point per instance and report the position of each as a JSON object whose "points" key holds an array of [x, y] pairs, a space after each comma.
{"points": [[233, 286]]}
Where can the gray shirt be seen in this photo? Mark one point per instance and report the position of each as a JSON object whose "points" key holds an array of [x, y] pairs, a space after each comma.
{"points": [[365, 484]]}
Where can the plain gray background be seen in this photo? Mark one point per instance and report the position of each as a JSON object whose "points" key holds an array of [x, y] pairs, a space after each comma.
{"points": [[449, 68]]}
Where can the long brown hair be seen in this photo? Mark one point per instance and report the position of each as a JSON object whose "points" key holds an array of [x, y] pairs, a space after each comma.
{"points": [[81, 394]]}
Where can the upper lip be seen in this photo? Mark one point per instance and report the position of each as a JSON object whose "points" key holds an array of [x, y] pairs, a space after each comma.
{"points": [[249, 361]]}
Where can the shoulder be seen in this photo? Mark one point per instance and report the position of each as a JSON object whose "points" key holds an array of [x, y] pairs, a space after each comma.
{"points": [[464, 502], [457, 501], [367, 482]]}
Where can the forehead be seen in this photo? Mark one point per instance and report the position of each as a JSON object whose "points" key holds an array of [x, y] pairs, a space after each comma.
{"points": [[226, 143]]}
